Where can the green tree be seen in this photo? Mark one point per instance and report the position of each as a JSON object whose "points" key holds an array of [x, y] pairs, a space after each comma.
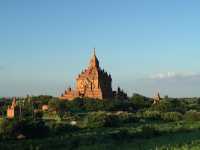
{"points": [[139, 101]]}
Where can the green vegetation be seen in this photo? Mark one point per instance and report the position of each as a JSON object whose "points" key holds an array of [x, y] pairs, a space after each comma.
{"points": [[108, 124]]}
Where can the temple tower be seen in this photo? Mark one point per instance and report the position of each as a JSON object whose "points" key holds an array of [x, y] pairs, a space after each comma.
{"points": [[93, 82]]}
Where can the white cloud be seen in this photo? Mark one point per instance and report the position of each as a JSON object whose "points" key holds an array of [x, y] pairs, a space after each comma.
{"points": [[174, 75], [174, 84]]}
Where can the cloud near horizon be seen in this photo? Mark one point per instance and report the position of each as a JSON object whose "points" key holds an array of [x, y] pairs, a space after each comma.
{"points": [[174, 75], [174, 84]]}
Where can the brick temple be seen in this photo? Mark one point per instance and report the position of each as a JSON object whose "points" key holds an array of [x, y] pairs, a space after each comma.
{"points": [[11, 110], [93, 82]]}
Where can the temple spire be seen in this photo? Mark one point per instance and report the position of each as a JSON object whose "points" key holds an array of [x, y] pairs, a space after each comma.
{"points": [[94, 51], [94, 61]]}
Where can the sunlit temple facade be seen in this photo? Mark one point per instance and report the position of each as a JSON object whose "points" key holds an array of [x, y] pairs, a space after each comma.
{"points": [[93, 83]]}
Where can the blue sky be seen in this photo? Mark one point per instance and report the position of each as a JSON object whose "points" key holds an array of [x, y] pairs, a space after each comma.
{"points": [[145, 45]]}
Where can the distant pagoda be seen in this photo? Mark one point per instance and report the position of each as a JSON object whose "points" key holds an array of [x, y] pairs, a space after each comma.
{"points": [[11, 110], [156, 98]]}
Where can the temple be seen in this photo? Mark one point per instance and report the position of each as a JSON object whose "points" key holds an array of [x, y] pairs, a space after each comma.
{"points": [[93, 82], [156, 98], [11, 109]]}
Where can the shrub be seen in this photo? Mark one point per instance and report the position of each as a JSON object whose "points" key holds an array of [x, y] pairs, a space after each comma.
{"points": [[172, 116], [35, 129], [139, 101], [149, 131], [28, 128], [7, 127], [152, 115], [38, 114], [60, 128], [101, 119], [95, 119], [192, 115], [163, 106], [125, 117], [111, 121]]}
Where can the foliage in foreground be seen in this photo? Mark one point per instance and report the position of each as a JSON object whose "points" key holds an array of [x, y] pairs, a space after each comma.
{"points": [[146, 137], [172, 124]]}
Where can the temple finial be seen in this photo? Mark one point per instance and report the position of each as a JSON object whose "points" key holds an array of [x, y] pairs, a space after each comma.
{"points": [[94, 52]]}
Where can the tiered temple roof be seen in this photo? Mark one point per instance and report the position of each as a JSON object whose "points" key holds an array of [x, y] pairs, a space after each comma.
{"points": [[93, 82]]}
